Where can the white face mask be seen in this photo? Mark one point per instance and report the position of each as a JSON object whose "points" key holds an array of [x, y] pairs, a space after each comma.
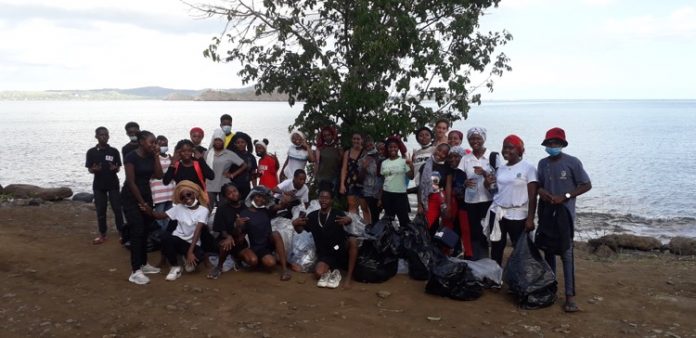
{"points": [[133, 138], [226, 129], [193, 204], [163, 150]]}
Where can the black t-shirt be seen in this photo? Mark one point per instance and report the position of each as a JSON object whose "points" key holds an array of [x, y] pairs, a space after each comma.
{"points": [[143, 167], [105, 179], [245, 177], [329, 238], [225, 217], [258, 228], [130, 146], [443, 169], [188, 173]]}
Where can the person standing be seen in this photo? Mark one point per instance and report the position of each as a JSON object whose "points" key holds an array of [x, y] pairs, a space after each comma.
{"points": [[132, 130], [268, 165], [244, 179], [220, 160], [351, 183], [477, 198], [185, 166], [196, 134], [562, 179], [396, 172], [328, 157], [372, 181], [161, 193], [299, 153], [141, 165], [512, 210], [424, 136], [226, 127], [104, 162], [440, 130]]}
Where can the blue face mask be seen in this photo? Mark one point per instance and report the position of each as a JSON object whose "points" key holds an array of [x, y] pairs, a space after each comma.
{"points": [[553, 151]]}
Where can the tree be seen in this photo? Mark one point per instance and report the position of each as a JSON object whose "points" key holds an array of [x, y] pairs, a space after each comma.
{"points": [[366, 65]]}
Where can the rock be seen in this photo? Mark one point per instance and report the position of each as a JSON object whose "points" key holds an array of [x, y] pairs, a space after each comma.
{"points": [[604, 251], [617, 241], [171, 307], [32, 191], [83, 197], [434, 319], [508, 333], [266, 335], [383, 294], [682, 246], [34, 202]]}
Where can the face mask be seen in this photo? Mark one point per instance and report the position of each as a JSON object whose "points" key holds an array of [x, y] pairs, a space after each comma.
{"points": [[372, 151], [133, 138], [553, 151], [193, 205], [253, 203], [163, 150], [260, 154], [227, 129]]}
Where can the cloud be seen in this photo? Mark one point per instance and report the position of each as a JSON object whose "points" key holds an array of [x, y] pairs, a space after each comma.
{"points": [[680, 24]]}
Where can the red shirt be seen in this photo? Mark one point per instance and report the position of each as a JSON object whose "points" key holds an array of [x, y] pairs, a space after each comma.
{"points": [[268, 171]]}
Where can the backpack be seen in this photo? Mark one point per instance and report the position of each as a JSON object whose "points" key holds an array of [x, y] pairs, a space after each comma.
{"points": [[199, 173]]}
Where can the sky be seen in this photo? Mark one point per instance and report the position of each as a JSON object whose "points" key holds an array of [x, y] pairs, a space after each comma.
{"points": [[562, 49]]}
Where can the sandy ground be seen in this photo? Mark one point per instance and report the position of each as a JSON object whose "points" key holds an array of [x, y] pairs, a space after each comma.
{"points": [[54, 282]]}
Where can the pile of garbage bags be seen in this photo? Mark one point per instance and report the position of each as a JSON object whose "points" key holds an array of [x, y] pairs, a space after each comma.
{"points": [[529, 277]]}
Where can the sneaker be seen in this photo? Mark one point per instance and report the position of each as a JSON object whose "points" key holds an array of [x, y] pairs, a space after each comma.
{"points": [[323, 281], [174, 273], [138, 277], [334, 279], [149, 269], [189, 267]]}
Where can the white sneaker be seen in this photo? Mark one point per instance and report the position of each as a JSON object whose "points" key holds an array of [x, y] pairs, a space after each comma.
{"points": [[174, 273], [334, 279], [323, 281], [189, 267], [138, 277], [149, 269]]}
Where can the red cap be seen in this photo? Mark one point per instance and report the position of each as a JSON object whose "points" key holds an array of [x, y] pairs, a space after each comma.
{"points": [[555, 134], [196, 129]]}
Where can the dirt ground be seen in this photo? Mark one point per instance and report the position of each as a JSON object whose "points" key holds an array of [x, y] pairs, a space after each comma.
{"points": [[54, 282]]}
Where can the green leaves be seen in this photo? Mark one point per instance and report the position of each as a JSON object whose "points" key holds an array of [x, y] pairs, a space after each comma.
{"points": [[367, 65]]}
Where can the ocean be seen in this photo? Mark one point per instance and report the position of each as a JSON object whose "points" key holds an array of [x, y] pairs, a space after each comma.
{"points": [[636, 152]]}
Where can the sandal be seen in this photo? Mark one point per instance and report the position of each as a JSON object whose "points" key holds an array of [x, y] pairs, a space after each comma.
{"points": [[285, 276], [214, 273], [571, 307], [99, 240]]}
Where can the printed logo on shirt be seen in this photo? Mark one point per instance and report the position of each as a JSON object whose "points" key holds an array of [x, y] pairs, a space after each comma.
{"points": [[519, 175], [109, 158], [564, 175]]}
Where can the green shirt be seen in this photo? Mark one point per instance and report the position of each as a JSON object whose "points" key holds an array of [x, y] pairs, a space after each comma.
{"points": [[394, 172]]}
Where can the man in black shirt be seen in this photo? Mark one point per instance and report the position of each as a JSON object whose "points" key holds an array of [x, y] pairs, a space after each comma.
{"points": [[335, 248], [132, 130], [104, 162]]}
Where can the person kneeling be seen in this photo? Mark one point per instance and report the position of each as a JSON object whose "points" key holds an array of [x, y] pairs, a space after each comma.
{"points": [[335, 248], [191, 213], [263, 241]]}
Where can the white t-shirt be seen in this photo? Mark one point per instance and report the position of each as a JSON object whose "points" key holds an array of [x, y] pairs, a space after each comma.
{"points": [[467, 165], [420, 156], [297, 159], [187, 220], [512, 189], [302, 194]]}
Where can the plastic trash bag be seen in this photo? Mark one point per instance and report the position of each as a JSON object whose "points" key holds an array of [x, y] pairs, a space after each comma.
{"points": [[211, 220], [487, 271], [452, 277], [416, 248], [356, 226], [374, 265], [304, 252], [529, 277], [402, 267], [287, 232]]}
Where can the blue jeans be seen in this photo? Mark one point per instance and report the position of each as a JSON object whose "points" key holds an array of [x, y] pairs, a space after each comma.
{"points": [[162, 207], [568, 268]]}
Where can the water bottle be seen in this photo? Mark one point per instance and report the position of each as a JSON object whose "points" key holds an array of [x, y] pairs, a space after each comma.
{"points": [[493, 188], [471, 192]]}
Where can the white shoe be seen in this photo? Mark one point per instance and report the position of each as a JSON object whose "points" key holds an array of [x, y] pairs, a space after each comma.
{"points": [[189, 267], [323, 281], [334, 279], [174, 273], [138, 277], [149, 269]]}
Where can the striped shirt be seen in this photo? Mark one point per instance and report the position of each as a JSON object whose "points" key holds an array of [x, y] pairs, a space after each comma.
{"points": [[162, 193]]}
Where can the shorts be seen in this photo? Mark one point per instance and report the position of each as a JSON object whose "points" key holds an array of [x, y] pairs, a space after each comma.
{"points": [[336, 259], [238, 247], [261, 251]]}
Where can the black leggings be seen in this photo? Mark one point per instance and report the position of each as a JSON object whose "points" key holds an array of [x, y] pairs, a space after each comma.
{"points": [[479, 242], [396, 204], [374, 209], [515, 228], [173, 246], [100, 202], [138, 227]]}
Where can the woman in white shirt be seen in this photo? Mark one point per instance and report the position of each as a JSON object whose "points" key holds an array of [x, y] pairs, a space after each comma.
{"points": [[512, 211], [299, 153]]}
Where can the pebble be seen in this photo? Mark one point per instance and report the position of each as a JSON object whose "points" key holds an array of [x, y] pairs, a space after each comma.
{"points": [[45, 323], [113, 270], [532, 328], [508, 333], [485, 322], [197, 289], [434, 319], [8, 295], [266, 335], [171, 307], [383, 294]]}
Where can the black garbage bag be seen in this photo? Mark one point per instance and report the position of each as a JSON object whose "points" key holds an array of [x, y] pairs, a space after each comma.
{"points": [[378, 256], [417, 248], [529, 277], [452, 277]]}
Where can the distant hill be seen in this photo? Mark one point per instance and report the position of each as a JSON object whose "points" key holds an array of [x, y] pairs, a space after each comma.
{"points": [[143, 93]]}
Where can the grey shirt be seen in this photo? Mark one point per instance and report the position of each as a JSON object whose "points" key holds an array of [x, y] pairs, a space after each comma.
{"points": [[562, 176], [221, 163]]}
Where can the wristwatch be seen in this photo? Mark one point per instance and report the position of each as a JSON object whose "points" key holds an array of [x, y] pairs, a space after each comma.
{"points": [[567, 195]]}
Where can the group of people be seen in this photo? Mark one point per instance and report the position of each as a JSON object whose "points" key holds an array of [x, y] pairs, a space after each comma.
{"points": [[480, 195]]}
